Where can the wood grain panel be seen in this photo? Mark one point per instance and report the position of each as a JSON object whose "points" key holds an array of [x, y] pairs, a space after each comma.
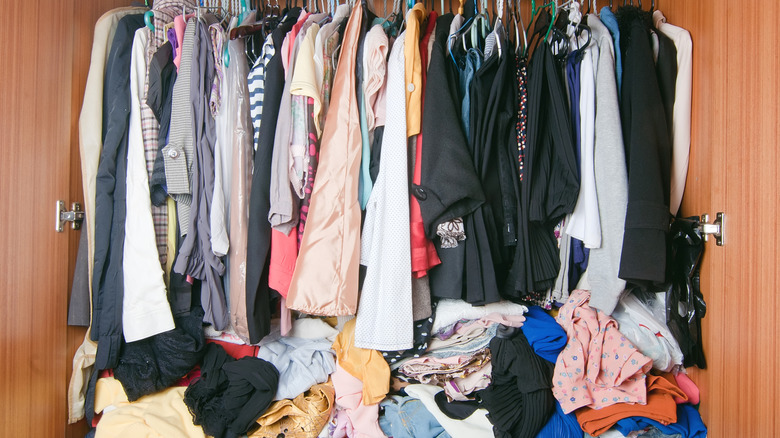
{"points": [[734, 169], [33, 262]]}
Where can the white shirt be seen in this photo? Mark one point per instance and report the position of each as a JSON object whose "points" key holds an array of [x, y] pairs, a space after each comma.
{"points": [[145, 308], [384, 317], [681, 120], [584, 223]]}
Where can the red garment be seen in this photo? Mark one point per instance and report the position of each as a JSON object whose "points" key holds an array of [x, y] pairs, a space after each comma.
{"points": [[424, 255], [284, 253], [237, 351]]}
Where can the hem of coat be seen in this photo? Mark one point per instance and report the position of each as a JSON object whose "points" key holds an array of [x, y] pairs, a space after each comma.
{"points": [[322, 311], [148, 324]]}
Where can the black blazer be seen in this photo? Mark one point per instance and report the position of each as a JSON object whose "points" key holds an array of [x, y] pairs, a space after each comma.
{"points": [[647, 142]]}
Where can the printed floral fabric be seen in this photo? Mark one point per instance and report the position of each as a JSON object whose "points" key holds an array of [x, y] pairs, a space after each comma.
{"points": [[599, 367]]}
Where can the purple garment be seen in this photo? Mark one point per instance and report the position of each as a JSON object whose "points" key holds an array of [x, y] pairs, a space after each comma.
{"points": [[174, 42]]}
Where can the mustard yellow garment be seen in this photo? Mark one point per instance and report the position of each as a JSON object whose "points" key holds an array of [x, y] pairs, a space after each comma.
{"points": [[159, 415], [302, 417], [413, 68], [363, 364], [171, 241], [325, 280]]}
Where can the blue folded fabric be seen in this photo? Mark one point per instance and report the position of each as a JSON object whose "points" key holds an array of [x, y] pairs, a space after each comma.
{"points": [[561, 425], [689, 424], [546, 336], [407, 417]]}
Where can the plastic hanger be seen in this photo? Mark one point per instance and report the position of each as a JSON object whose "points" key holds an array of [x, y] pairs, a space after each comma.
{"points": [[148, 16]]}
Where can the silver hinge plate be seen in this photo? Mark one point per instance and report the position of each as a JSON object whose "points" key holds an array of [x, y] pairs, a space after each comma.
{"points": [[75, 216], [715, 229]]}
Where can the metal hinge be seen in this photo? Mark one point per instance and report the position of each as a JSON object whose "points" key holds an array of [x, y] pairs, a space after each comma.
{"points": [[75, 216], [715, 229]]}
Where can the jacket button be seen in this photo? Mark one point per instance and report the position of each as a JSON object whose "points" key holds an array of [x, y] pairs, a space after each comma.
{"points": [[420, 194], [173, 153]]}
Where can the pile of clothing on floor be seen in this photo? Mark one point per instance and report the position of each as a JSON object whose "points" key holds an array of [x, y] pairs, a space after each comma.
{"points": [[503, 370]]}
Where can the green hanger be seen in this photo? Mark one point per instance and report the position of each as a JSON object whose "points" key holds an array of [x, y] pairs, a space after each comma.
{"points": [[148, 15]]}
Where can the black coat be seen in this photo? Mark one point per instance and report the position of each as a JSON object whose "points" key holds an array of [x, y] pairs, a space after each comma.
{"points": [[647, 142], [258, 295], [110, 195]]}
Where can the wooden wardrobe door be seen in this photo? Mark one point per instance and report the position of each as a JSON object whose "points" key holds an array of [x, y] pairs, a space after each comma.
{"points": [[45, 50], [734, 169]]}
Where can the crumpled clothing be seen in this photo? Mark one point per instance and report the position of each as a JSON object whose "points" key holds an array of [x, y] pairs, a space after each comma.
{"points": [[660, 406], [519, 400], [475, 425], [354, 418], [302, 363], [155, 363], [441, 372], [450, 311], [407, 417], [312, 328], [472, 336], [561, 425], [689, 424], [546, 337], [303, 417], [366, 365], [160, 415], [599, 366], [230, 394]]}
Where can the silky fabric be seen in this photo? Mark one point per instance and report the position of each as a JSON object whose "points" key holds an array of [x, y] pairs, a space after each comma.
{"points": [[258, 294], [325, 281], [387, 288], [240, 192], [648, 145], [302, 417]]}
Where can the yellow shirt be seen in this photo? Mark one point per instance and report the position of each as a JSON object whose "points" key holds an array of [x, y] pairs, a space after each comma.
{"points": [[363, 364], [413, 68]]}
